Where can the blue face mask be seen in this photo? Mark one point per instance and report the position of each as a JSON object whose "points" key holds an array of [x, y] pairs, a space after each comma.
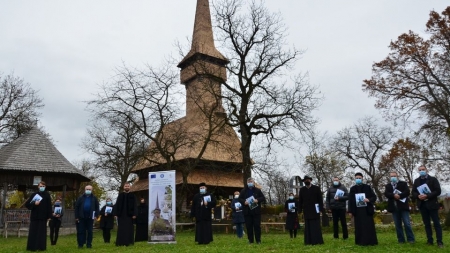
{"points": [[88, 192], [42, 188], [336, 183], [394, 179], [250, 185], [422, 173], [358, 181], [291, 197], [202, 191], [109, 203]]}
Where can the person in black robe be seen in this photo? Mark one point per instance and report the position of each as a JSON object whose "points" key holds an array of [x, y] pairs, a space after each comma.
{"points": [[252, 198], [311, 203], [107, 220], [40, 204], [125, 211], [142, 222], [291, 208], [202, 204], [362, 209], [55, 222]]}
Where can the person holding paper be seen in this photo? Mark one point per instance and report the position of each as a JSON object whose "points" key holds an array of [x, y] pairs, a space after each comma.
{"points": [[335, 200], [397, 193], [311, 204], [202, 204], [86, 210], [252, 197], [237, 208], [125, 211], [365, 233], [107, 220], [291, 209], [55, 222], [142, 222], [428, 204], [40, 204]]}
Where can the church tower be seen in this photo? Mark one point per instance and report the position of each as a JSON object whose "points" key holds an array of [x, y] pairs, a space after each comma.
{"points": [[203, 68]]}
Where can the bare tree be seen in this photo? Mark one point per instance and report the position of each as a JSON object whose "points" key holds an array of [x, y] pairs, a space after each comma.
{"points": [[19, 105], [321, 162], [363, 144], [260, 97], [117, 146]]}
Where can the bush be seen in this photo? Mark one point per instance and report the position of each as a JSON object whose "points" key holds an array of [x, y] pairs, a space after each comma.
{"points": [[277, 209], [381, 205]]}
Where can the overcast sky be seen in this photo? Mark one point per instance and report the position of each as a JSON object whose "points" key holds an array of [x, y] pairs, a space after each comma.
{"points": [[64, 49]]}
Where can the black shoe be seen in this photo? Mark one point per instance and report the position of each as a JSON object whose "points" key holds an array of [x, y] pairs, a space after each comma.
{"points": [[429, 243], [440, 245], [258, 242]]}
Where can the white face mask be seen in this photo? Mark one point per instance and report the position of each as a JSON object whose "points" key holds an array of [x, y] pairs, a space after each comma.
{"points": [[236, 196]]}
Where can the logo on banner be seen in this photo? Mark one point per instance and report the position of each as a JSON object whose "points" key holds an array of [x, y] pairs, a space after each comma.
{"points": [[162, 175], [153, 176]]}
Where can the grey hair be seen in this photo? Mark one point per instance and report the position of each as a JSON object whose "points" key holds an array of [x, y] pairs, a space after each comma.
{"points": [[250, 179]]}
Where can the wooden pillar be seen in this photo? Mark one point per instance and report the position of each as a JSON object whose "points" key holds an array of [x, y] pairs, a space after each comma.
{"points": [[63, 198], [3, 207]]}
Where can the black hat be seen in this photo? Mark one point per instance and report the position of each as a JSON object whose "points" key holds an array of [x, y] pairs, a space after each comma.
{"points": [[358, 174], [307, 177], [201, 184]]}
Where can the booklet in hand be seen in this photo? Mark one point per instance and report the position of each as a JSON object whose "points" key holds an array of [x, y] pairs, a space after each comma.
{"points": [[36, 197], [339, 193], [359, 197], [207, 198], [423, 189], [291, 207], [399, 192], [108, 209], [251, 203], [238, 205], [58, 210]]}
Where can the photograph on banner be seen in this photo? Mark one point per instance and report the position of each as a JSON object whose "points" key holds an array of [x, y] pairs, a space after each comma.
{"points": [[162, 207]]}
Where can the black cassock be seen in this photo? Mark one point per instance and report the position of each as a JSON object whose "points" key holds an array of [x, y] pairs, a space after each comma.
{"points": [[203, 221], [365, 233], [308, 198], [37, 234], [142, 223], [125, 209]]}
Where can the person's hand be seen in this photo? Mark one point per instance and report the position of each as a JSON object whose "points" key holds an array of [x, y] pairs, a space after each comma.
{"points": [[336, 198], [106, 214], [77, 220], [134, 217], [256, 200], [366, 200], [246, 203], [423, 196], [329, 210], [205, 203], [37, 203], [396, 196]]}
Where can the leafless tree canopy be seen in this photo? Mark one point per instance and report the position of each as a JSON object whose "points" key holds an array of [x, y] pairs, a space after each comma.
{"points": [[363, 144], [19, 105], [261, 96]]}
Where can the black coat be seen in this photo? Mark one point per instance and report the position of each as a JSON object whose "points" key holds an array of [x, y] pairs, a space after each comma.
{"points": [[79, 206], [394, 204], [130, 209], [308, 198], [370, 195], [142, 214], [332, 203], [435, 187], [43, 211], [106, 221], [238, 215], [291, 215], [257, 194], [199, 211]]}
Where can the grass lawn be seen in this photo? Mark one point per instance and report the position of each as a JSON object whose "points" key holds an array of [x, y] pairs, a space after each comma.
{"points": [[271, 242]]}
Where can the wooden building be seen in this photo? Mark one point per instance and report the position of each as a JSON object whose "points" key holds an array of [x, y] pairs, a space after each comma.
{"points": [[201, 146], [32, 158]]}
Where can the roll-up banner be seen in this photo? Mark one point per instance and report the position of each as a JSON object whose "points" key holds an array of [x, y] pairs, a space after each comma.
{"points": [[161, 220]]}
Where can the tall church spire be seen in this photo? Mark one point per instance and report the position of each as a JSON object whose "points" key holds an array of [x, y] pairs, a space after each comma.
{"points": [[202, 37]]}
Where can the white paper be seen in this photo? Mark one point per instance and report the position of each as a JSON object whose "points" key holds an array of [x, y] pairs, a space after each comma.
{"points": [[423, 189], [108, 209], [58, 210], [399, 192], [251, 202], [291, 207], [339, 193], [359, 198], [36, 197], [317, 208], [93, 215], [207, 198], [238, 205]]}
